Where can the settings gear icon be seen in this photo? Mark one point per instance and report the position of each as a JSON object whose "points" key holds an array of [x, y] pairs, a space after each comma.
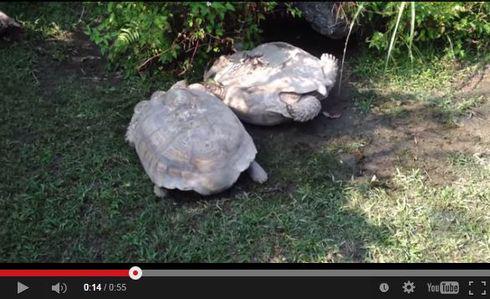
{"points": [[408, 287]]}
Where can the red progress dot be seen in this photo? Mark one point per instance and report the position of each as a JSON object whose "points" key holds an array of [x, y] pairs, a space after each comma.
{"points": [[135, 272]]}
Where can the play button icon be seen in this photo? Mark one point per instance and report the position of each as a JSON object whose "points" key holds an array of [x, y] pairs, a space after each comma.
{"points": [[21, 287]]}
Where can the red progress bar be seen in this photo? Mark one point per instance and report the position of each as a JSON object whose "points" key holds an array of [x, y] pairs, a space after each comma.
{"points": [[64, 273]]}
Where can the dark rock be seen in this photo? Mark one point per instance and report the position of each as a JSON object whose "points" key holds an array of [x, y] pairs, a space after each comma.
{"points": [[324, 18]]}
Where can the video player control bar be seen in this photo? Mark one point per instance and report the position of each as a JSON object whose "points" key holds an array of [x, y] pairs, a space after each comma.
{"points": [[316, 273], [140, 283]]}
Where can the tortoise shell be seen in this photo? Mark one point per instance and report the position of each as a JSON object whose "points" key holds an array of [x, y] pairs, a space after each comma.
{"points": [[187, 139]]}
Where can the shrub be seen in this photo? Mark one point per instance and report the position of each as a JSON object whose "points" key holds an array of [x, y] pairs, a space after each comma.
{"points": [[455, 27], [137, 36]]}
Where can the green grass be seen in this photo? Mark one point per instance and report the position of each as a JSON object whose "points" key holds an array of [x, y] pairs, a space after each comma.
{"points": [[430, 224], [72, 190], [431, 79]]}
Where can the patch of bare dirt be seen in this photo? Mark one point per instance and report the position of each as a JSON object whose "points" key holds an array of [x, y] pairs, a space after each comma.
{"points": [[71, 54], [418, 139]]}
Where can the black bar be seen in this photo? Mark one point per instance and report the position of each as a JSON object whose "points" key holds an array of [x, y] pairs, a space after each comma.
{"points": [[251, 287]]}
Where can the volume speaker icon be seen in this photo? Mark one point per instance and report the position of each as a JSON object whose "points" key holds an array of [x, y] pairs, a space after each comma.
{"points": [[59, 288]]}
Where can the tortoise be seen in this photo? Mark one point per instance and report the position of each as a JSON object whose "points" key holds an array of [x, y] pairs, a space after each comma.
{"points": [[273, 83], [187, 139]]}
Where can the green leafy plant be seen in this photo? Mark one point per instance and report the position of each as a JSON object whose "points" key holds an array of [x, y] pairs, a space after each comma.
{"points": [[137, 36], [293, 11], [456, 28]]}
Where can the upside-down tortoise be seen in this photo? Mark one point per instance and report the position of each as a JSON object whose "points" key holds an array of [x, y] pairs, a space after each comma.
{"points": [[273, 83]]}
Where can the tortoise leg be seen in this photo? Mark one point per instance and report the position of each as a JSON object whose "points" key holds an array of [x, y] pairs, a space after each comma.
{"points": [[257, 173], [160, 192], [305, 109]]}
